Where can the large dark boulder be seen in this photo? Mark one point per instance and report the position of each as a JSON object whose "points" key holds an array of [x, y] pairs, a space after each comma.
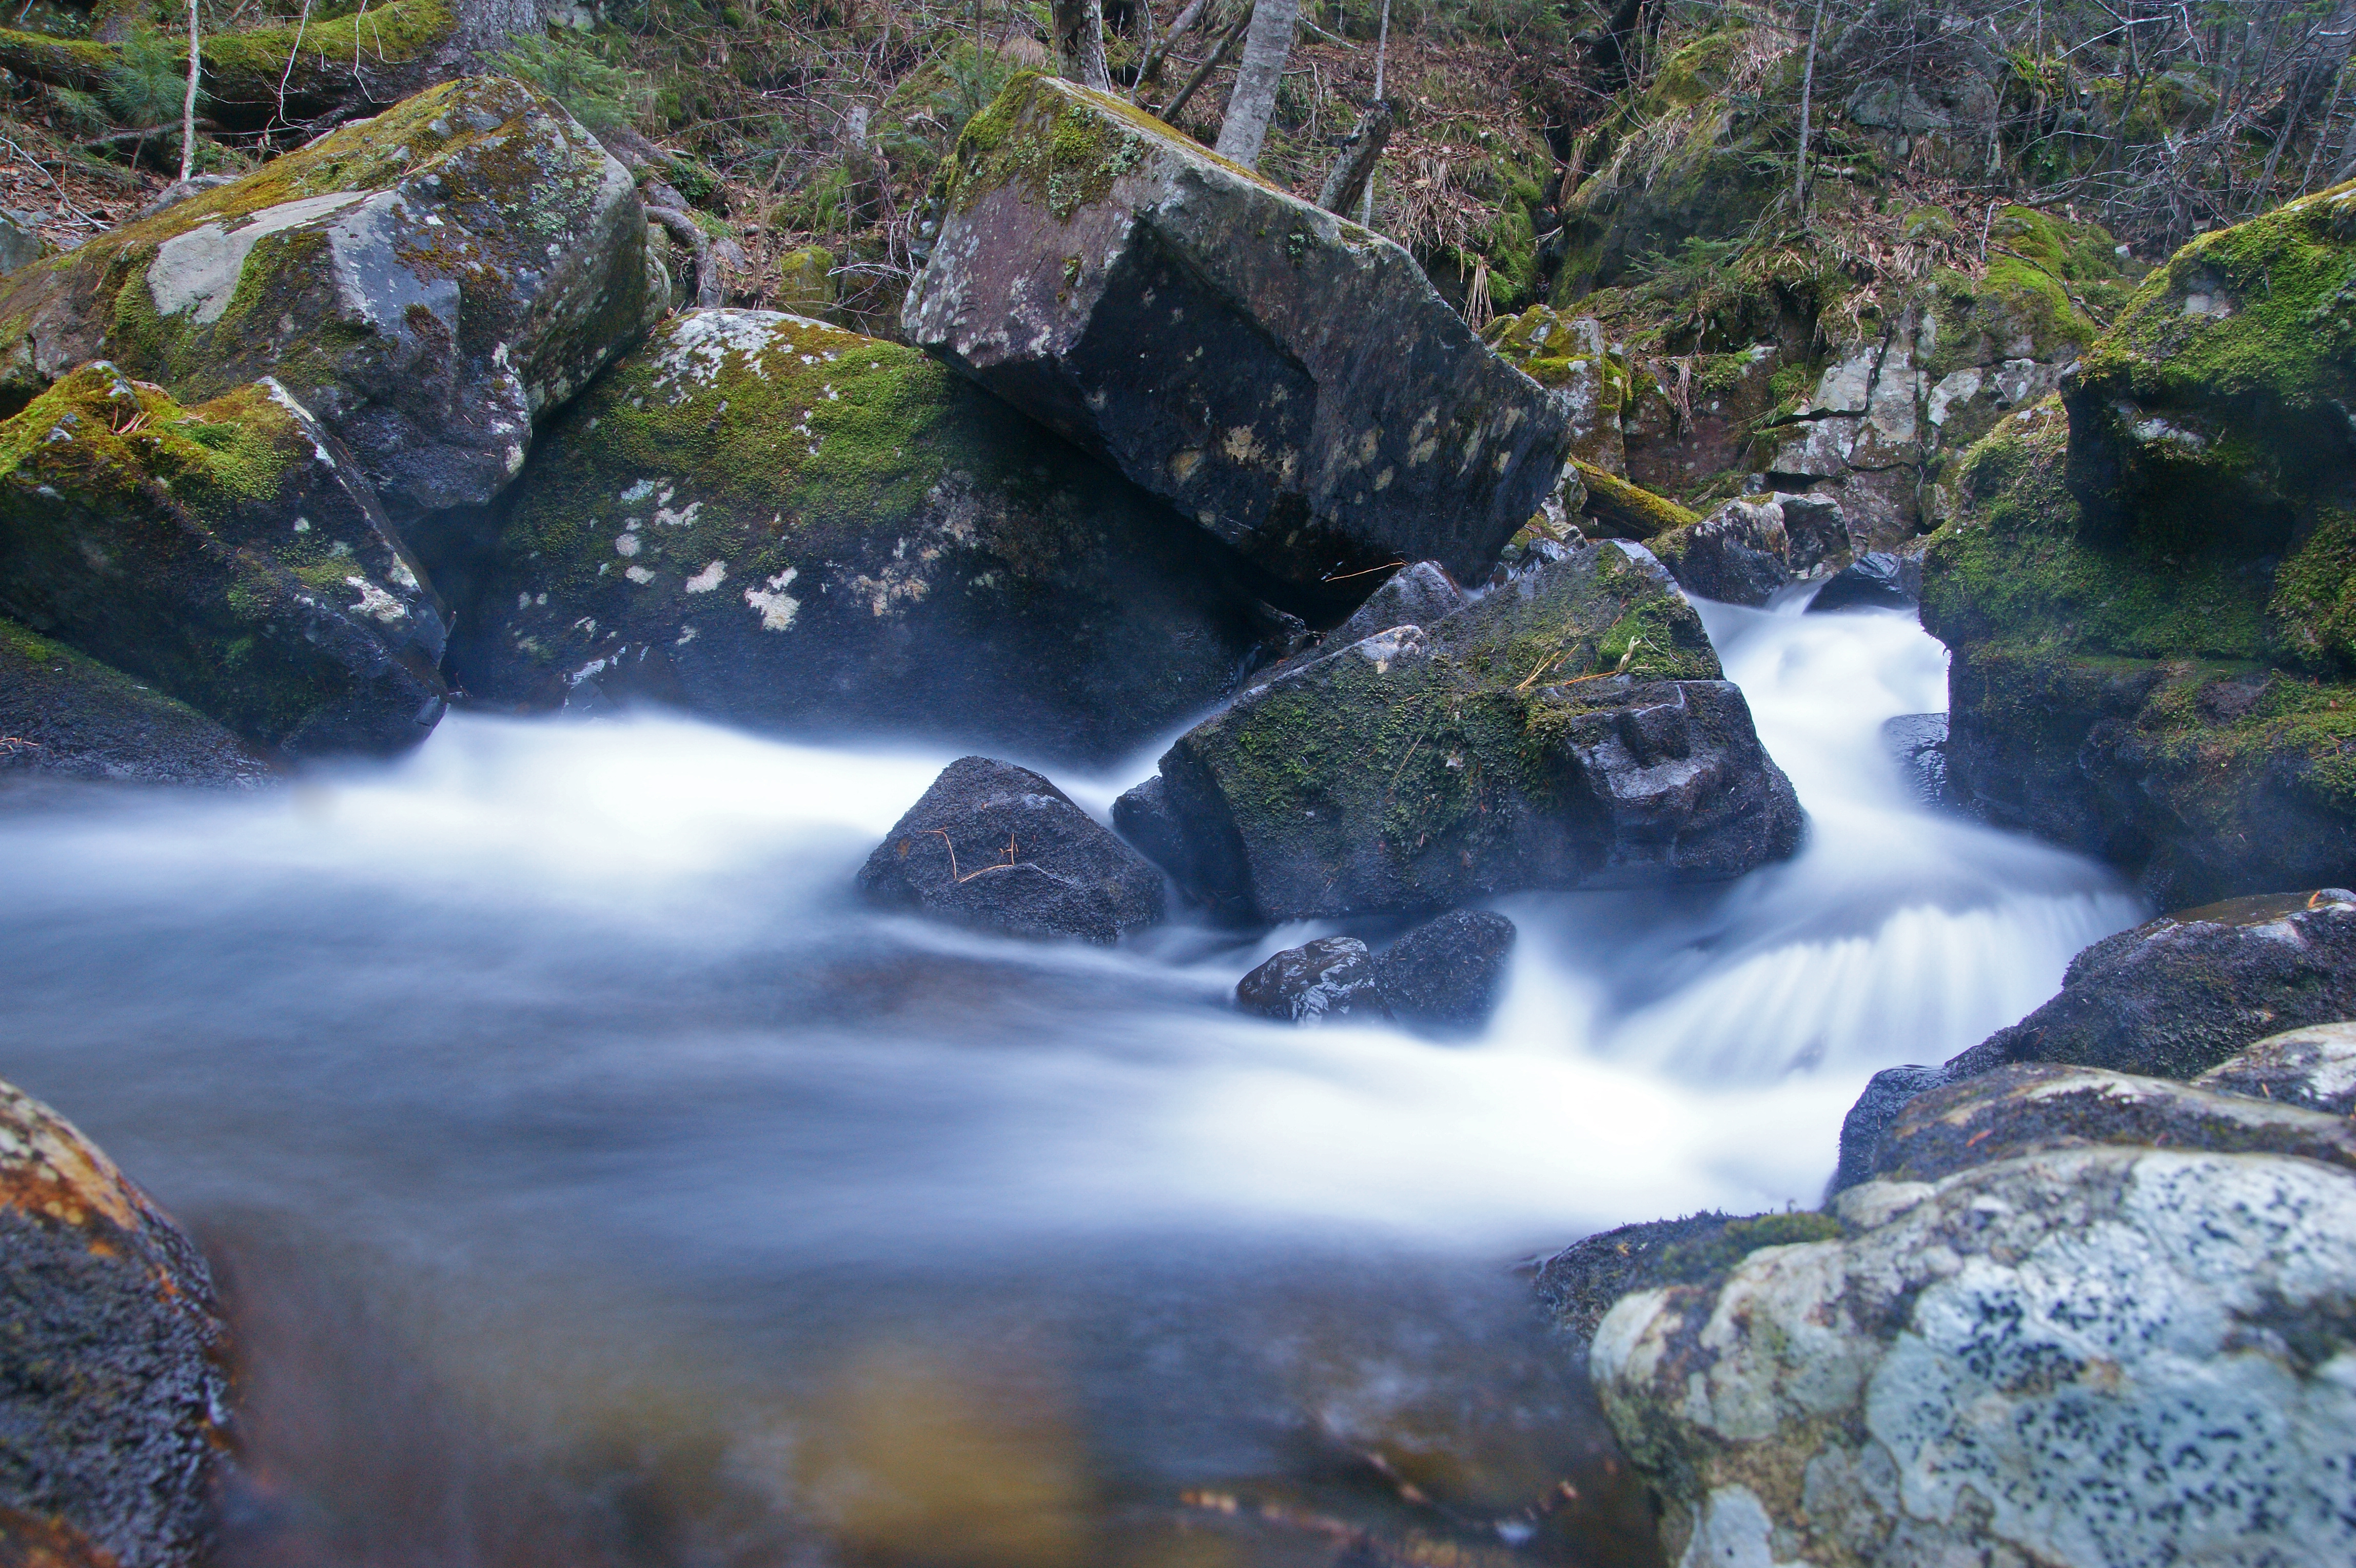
{"points": [[1738, 555], [1285, 377], [428, 283], [996, 845], [775, 521], [114, 1379], [66, 715], [229, 553], [1570, 729], [1877, 580]]}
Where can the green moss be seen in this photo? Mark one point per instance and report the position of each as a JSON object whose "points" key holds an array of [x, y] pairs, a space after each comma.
{"points": [[1636, 512], [1063, 144], [1695, 1259]]}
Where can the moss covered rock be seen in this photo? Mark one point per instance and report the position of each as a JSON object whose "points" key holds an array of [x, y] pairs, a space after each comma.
{"points": [[64, 714], [228, 553], [1569, 730], [764, 518], [115, 1409], [1282, 375], [428, 283]]}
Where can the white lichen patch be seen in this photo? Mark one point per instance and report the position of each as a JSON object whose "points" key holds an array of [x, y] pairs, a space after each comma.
{"points": [[199, 270], [375, 603], [639, 574], [775, 607], [711, 577]]}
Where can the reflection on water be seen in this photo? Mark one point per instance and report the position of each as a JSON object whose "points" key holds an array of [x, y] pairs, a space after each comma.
{"points": [[598, 1181]]}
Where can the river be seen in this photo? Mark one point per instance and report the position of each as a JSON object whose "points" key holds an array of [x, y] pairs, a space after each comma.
{"points": [[595, 1180]]}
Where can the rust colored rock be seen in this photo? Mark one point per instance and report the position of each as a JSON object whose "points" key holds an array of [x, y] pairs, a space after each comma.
{"points": [[1286, 378], [114, 1382]]}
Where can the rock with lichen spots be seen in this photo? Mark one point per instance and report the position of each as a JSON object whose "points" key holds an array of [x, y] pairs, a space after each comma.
{"points": [[228, 553], [429, 283], [1570, 729], [2085, 1357], [765, 519], [2313, 1067], [1285, 377], [115, 1408]]}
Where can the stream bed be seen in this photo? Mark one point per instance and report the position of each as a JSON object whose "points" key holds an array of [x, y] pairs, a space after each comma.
{"points": [[595, 1180]]}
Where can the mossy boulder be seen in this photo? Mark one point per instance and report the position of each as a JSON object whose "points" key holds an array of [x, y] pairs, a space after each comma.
{"points": [[767, 519], [2214, 414], [1286, 378], [1566, 356], [1571, 729], [228, 553], [114, 1410], [65, 715], [429, 283], [2173, 703]]}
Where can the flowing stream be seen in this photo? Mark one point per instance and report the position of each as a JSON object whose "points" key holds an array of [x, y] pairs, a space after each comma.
{"points": [[595, 1180]]}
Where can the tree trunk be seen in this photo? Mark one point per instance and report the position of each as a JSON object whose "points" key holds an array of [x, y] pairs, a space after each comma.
{"points": [[1079, 42], [1360, 148], [1274, 22], [1150, 72], [1807, 91], [188, 104], [1194, 83]]}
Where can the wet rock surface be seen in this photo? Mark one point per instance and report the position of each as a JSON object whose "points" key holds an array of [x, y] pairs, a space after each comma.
{"points": [[1961, 1377], [993, 844], [1284, 377], [426, 281], [1917, 743], [65, 715], [1570, 729], [2027, 1107], [767, 519], [1320, 982], [1740, 554], [2313, 1068], [1443, 978], [228, 553], [1887, 1094], [114, 1396], [1877, 580]]}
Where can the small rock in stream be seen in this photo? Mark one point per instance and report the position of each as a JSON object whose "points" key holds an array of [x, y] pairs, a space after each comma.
{"points": [[993, 844], [1327, 980], [1442, 978]]}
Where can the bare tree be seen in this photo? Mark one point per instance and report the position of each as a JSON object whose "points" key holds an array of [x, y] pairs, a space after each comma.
{"points": [[1079, 42], [1249, 107], [188, 104]]}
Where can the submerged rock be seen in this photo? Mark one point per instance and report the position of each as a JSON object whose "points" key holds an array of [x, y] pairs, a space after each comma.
{"points": [[2313, 1067], [114, 1409], [993, 844], [229, 553], [776, 521], [1320, 982], [1570, 729], [1282, 375], [1446, 977], [63, 714], [1963, 1378], [1442, 978], [2020, 1109], [426, 281], [1917, 743]]}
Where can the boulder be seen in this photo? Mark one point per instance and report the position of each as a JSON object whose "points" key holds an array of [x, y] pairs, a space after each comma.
{"points": [[778, 523], [1578, 1285], [1284, 376], [115, 1408], [996, 845], [2030, 1106], [2177, 995], [1416, 596], [1887, 1094], [1917, 743], [20, 241], [1445, 977], [1570, 729], [1877, 580], [1442, 978], [2313, 1067], [1738, 555], [1321, 982], [65, 715], [428, 281], [2080, 1356], [228, 553]]}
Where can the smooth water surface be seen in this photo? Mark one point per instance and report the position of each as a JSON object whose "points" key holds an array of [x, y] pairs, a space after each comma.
{"points": [[595, 1180]]}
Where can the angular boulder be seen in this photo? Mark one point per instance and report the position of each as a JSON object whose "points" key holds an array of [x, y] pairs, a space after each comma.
{"points": [[65, 715], [229, 553], [1570, 729], [1749, 547], [996, 845], [1282, 375], [2079, 1356], [2313, 1068], [2027, 1107], [1321, 982], [1445, 976], [115, 1408], [771, 520], [1415, 595], [427, 281], [1877, 580]]}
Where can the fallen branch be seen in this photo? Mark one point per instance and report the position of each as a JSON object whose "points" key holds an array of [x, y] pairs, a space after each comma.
{"points": [[1227, 44], [1356, 163], [682, 227]]}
